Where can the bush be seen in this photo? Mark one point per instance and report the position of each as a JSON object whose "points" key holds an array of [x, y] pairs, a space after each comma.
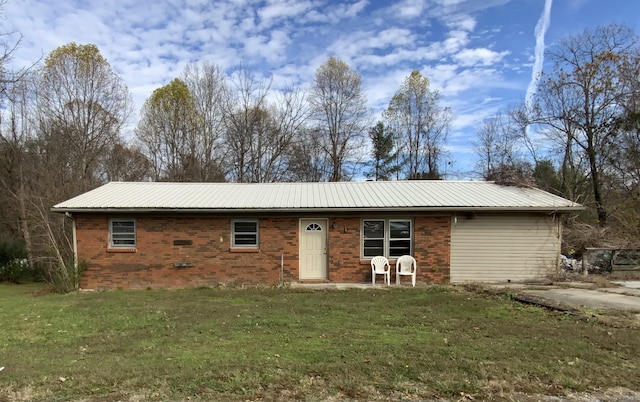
{"points": [[14, 266], [11, 249], [64, 278], [15, 271]]}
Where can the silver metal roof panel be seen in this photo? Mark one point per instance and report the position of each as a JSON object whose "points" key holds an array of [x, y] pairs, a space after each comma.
{"points": [[383, 195]]}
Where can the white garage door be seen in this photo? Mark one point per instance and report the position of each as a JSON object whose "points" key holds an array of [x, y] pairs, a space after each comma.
{"points": [[501, 248]]}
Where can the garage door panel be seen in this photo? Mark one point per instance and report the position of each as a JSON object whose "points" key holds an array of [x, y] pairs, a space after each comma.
{"points": [[501, 248]]}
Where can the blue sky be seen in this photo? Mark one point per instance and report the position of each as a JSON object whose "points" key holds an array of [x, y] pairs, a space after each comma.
{"points": [[478, 53]]}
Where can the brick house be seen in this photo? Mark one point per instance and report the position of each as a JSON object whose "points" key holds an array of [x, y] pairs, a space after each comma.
{"points": [[139, 235]]}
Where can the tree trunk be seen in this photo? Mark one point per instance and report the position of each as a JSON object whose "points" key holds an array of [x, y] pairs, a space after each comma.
{"points": [[595, 183], [21, 197]]}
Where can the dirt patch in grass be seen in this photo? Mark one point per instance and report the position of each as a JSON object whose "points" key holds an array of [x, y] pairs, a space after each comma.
{"points": [[577, 279], [435, 343], [625, 276], [42, 292]]}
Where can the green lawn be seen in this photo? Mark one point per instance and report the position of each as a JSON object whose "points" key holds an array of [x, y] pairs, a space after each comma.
{"points": [[286, 344]]}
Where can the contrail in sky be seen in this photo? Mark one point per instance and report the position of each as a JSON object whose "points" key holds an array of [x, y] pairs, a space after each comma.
{"points": [[541, 30]]}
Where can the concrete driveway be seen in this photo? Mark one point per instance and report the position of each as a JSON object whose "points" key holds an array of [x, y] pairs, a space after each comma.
{"points": [[625, 297]]}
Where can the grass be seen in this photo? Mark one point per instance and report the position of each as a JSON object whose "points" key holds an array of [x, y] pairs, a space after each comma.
{"points": [[286, 344]]}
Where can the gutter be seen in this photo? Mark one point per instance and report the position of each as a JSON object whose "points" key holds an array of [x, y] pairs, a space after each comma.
{"points": [[315, 210]]}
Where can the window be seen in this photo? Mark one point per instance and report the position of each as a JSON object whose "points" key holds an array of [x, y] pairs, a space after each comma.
{"points": [[245, 234], [122, 233], [373, 236], [399, 238], [313, 227], [387, 237]]}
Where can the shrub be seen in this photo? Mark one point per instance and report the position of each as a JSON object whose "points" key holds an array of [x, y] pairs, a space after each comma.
{"points": [[15, 271], [64, 278], [14, 266]]}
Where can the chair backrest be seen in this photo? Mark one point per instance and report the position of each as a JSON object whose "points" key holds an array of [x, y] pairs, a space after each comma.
{"points": [[380, 264], [406, 263]]}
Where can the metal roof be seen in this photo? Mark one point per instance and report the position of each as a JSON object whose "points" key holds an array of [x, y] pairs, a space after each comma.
{"points": [[432, 195]]}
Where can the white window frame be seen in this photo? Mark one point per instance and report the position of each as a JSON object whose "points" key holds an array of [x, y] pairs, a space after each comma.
{"points": [[390, 239], [387, 236], [233, 233], [383, 238], [112, 243]]}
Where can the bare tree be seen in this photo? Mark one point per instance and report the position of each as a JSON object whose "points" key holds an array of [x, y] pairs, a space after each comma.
{"points": [[581, 99], [32, 178], [169, 128], [339, 106], [624, 169], [248, 124], [421, 125], [557, 129], [291, 114], [260, 133], [306, 159], [208, 90], [495, 145], [82, 106], [17, 167], [9, 43], [126, 163]]}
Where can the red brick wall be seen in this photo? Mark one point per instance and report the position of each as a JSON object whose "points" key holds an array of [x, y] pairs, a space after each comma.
{"points": [[151, 264], [431, 249]]}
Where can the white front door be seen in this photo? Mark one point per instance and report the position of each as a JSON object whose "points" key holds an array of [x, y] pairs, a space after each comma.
{"points": [[313, 249]]}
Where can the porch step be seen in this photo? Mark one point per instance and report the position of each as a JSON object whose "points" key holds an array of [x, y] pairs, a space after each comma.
{"points": [[329, 285]]}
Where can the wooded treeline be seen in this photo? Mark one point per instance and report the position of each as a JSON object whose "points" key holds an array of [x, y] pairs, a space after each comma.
{"points": [[578, 136], [65, 128]]}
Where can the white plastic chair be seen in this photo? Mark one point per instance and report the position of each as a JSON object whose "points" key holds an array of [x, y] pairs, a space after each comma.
{"points": [[406, 265], [380, 266]]}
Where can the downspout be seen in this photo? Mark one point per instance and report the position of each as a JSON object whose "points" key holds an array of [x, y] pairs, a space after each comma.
{"points": [[559, 223], [76, 274], [281, 269]]}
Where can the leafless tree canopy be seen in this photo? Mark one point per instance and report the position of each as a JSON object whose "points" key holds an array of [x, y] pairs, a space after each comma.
{"points": [[82, 105], [581, 99], [339, 107], [580, 132], [421, 126]]}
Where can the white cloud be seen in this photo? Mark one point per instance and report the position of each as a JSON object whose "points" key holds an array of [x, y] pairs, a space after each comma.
{"points": [[449, 7], [276, 10], [479, 56], [540, 32], [398, 56], [461, 22], [409, 8], [352, 10], [449, 3], [361, 45], [456, 41], [334, 13], [380, 90]]}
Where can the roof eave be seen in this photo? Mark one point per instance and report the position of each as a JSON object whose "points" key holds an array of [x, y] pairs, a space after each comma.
{"points": [[561, 209]]}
